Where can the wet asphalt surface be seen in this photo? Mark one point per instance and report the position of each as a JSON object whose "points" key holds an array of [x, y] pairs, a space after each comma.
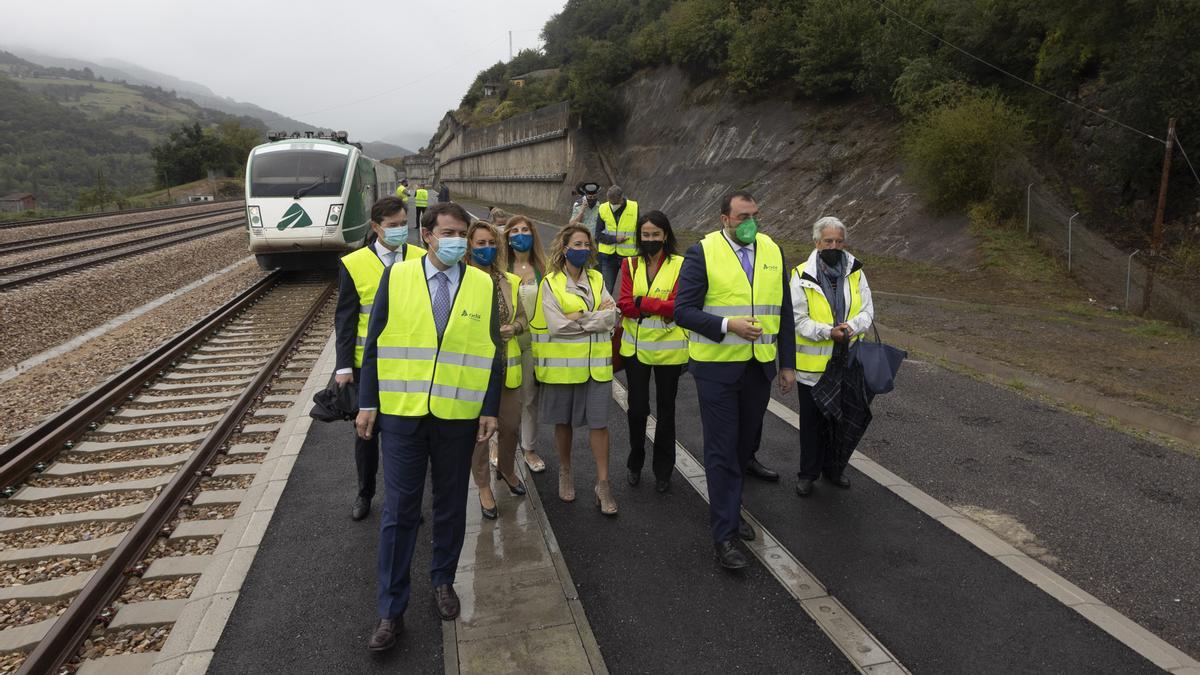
{"points": [[650, 585], [308, 604]]}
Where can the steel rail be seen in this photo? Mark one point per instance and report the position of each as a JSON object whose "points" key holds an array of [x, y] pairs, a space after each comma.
{"points": [[204, 231], [40, 242], [75, 623], [106, 214]]}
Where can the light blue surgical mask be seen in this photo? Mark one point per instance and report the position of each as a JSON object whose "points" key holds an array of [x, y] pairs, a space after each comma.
{"points": [[484, 255], [450, 250], [393, 237]]}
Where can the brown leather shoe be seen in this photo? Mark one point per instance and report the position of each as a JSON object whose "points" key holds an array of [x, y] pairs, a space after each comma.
{"points": [[447, 602], [385, 634]]}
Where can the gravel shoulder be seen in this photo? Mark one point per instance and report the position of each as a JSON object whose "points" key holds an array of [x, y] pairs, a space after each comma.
{"points": [[48, 387]]}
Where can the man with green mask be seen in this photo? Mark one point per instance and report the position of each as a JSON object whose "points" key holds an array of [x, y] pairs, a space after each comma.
{"points": [[734, 299]]}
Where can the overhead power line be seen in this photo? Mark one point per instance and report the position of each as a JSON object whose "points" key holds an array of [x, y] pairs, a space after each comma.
{"points": [[1018, 78]]}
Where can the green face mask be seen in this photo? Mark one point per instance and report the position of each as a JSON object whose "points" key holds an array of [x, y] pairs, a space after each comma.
{"points": [[747, 230]]}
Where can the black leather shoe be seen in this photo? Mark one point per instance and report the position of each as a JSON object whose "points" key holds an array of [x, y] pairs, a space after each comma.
{"points": [[729, 557], [745, 531], [362, 507], [492, 513], [635, 477], [804, 487], [385, 634], [662, 486], [756, 469], [447, 602], [839, 481]]}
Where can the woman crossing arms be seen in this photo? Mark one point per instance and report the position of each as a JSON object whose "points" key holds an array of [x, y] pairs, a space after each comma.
{"points": [[652, 344], [572, 346]]}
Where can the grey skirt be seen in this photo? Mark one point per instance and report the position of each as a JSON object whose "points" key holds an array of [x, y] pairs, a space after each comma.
{"points": [[579, 405]]}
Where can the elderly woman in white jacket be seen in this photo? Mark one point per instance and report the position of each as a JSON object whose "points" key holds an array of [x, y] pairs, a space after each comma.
{"points": [[831, 302]]}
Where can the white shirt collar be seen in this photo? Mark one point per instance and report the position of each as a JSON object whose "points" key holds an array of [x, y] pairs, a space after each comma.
{"points": [[452, 273], [737, 245], [383, 251]]}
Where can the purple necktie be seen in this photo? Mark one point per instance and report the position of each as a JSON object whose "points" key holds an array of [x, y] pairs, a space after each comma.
{"points": [[441, 302], [747, 263]]}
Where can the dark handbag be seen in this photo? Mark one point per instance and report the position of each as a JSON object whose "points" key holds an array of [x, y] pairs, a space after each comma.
{"points": [[880, 362], [334, 403]]}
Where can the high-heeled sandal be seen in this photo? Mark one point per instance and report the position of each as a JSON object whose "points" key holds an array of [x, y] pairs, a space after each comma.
{"points": [[604, 498], [566, 484]]}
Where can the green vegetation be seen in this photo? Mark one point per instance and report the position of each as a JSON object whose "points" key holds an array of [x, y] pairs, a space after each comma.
{"points": [[192, 151], [78, 142], [972, 130]]}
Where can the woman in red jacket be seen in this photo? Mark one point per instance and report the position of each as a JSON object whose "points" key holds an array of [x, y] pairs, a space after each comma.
{"points": [[652, 344]]}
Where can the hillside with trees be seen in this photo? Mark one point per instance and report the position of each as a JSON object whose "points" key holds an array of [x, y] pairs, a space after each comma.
{"points": [[988, 91]]}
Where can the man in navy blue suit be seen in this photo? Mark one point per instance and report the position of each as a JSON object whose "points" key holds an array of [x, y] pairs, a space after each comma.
{"points": [[734, 300], [432, 374]]}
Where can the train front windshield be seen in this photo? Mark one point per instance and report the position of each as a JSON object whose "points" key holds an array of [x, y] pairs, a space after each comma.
{"points": [[292, 173]]}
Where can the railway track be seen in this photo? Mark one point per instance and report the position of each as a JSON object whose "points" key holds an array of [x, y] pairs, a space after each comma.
{"points": [[19, 274], [113, 507], [90, 216], [31, 243]]}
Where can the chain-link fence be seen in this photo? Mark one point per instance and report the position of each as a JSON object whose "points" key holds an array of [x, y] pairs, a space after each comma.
{"points": [[1115, 277]]}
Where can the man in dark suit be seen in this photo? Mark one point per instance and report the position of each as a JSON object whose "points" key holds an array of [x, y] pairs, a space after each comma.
{"points": [[358, 280], [431, 379], [734, 299]]}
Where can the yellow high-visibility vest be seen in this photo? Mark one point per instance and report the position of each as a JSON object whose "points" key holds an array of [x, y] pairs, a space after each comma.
{"points": [[627, 226], [402, 193], [731, 296], [512, 353], [569, 360], [813, 356], [366, 269], [422, 199], [654, 340], [418, 375]]}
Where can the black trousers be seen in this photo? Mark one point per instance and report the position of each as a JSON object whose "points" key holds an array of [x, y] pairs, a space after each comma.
{"points": [[816, 457], [420, 212], [731, 416], [366, 457], [666, 385]]}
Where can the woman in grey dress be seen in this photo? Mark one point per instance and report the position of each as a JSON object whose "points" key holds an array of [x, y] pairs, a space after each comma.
{"points": [[572, 332]]}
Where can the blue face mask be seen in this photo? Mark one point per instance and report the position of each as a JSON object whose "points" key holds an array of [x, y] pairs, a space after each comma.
{"points": [[521, 242], [393, 237], [451, 249], [578, 256], [484, 255]]}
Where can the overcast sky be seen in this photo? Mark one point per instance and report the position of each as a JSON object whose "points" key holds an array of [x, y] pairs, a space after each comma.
{"points": [[381, 70]]}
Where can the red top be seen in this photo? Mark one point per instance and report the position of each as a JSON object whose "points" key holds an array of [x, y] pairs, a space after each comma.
{"points": [[648, 305]]}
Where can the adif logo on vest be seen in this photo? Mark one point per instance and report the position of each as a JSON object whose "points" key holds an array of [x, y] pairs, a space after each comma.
{"points": [[295, 217], [474, 316], [770, 268]]}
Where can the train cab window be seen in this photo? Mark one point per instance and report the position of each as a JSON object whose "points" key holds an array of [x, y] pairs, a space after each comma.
{"points": [[306, 172]]}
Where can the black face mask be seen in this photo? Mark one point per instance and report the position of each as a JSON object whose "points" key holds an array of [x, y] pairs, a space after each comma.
{"points": [[651, 248], [831, 256], [591, 201]]}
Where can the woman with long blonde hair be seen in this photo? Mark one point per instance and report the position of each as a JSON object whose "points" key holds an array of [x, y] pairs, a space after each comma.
{"points": [[572, 330], [521, 253], [482, 240]]}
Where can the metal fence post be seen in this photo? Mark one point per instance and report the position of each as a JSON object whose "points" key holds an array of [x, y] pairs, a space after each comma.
{"points": [[1028, 205], [1129, 276], [1070, 222]]}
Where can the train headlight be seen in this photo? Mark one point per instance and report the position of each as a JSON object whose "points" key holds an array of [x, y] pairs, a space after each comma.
{"points": [[335, 216], [254, 216]]}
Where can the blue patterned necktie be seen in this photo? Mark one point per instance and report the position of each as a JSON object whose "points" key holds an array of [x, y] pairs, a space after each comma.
{"points": [[747, 263], [441, 302], [390, 259]]}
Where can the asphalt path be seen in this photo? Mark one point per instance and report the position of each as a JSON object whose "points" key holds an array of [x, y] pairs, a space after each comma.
{"points": [[308, 604], [650, 585], [1117, 515]]}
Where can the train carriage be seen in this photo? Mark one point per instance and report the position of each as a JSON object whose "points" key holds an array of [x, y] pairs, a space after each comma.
{"points": [[309, 197]]}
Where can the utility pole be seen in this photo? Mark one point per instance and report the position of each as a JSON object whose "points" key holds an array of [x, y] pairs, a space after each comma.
{"points": [[510, 54], [1156, 238]]}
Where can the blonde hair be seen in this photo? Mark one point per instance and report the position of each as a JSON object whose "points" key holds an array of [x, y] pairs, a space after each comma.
{"points": [[484, 225], [507, 254], [558, 249]]}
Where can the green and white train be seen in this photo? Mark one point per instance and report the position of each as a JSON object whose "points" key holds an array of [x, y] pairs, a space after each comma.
{"points": [[309, 197]]}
